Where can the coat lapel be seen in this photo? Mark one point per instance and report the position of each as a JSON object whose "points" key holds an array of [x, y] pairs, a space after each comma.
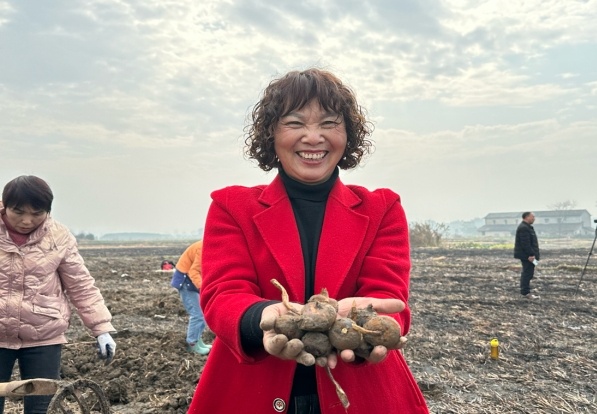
{"points": [[277, 227], [341, 239]]}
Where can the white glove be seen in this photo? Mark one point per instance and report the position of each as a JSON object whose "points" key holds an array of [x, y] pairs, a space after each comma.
{"points": [[106, 347]]}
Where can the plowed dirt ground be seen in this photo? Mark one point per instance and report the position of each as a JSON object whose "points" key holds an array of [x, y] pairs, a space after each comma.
{"points": [[460, 300]]}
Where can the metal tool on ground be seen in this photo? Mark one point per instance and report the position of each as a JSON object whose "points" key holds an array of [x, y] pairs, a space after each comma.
{"points": [[78, 397]]}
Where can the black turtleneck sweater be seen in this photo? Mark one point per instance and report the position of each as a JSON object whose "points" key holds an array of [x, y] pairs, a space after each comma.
{"points": [[308, 203]]}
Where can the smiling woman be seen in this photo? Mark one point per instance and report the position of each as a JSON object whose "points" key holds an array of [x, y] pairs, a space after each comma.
{"points": [[296, 95], [309, 143], [307, 125]]}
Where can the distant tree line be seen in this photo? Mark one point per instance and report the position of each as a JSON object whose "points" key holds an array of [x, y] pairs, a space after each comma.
{"points": [[427, 233], [84, 236]]}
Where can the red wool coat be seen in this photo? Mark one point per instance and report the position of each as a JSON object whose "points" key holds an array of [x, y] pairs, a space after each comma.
{"points": [[251, 237]]}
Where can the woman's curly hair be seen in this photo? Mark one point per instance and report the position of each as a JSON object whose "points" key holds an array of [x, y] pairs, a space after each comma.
{"points": [[293, 91]]}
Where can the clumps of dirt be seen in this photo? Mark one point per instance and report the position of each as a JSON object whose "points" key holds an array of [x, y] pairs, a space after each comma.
{"points": [[149, 368]]}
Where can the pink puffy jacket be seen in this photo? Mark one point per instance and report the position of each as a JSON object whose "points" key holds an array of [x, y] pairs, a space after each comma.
{"points": [[35, 281]]}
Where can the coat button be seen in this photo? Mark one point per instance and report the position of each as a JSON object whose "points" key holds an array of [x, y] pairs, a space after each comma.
{"points": [[279, 405]]}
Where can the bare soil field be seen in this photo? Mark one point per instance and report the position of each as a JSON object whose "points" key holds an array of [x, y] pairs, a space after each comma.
{"points": [[460, 299]]}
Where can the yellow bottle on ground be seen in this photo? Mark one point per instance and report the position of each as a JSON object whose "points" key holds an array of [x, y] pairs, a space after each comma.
{"points": [[495, 348]]}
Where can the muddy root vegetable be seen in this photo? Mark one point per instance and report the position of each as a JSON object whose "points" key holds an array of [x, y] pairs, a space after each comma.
{"points": [[319, 313], [317, 344], [361, 331], [362, 316], [324, 297], [364, 349], [343, 335], [285, 298], [339, 391], [288, 325], [390, 332], [317, 316], [346, 334]]}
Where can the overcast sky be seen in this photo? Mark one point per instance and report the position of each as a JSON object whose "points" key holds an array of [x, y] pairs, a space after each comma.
{"points": [[133, 110]]}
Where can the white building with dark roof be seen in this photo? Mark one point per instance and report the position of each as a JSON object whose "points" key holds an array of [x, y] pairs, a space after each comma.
{"points": [[556, 223]]}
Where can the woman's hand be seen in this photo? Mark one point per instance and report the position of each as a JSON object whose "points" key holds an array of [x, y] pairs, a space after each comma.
{"points": [[278, 345], [378, 354], [379, 305], [106, 347]]}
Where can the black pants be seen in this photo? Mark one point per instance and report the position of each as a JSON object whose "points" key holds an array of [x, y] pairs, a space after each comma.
{"points": [[528, 271], [34, 362], [303, 404]]}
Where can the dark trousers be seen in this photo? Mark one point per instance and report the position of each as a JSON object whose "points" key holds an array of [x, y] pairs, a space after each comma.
{"points": [[304, 404], [34, 362], [528, 271]]}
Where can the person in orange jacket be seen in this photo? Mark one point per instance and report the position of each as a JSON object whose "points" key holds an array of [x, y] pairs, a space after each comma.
{"points": [[187, 280]]}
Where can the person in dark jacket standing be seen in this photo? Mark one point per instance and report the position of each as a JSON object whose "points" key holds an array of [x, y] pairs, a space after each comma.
{"points": [[526, 248]]}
